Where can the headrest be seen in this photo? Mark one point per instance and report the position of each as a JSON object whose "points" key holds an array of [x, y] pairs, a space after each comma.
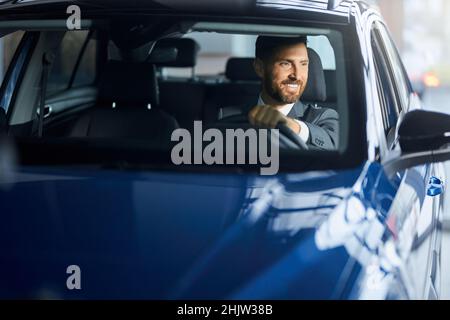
{"points": [[241, 69], [330, 83], [187, 51], [128, 83], [315, 87]]}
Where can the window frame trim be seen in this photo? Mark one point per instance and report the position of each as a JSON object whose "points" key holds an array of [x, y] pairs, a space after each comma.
{"points": [[31, 39], [407, 83], [378, 48]]}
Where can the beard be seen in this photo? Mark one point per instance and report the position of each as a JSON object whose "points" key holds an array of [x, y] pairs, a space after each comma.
{"points": [[273, 89]]}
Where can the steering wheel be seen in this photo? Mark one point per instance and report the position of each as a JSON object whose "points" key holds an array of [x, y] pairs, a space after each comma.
{"points": [[288, 138]]}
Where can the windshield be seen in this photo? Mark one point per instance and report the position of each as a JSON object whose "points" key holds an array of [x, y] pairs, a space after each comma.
{"points": [[216, 94]]}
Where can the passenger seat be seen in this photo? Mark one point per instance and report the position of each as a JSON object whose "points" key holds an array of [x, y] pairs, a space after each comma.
{"points": [[242, 87], [127, 106], [182, 97]]}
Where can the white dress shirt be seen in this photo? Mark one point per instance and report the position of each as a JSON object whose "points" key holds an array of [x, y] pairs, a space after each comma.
{"points": [[304, 130]]}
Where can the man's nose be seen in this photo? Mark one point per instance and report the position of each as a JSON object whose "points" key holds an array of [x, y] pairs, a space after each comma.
{"points": [[295, 74]]}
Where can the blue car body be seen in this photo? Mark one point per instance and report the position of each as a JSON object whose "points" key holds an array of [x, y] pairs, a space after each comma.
{"points": [[131, 240]]}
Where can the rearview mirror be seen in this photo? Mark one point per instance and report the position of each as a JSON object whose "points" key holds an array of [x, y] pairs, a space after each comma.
{"points": [[422, 130], [163, 55]]}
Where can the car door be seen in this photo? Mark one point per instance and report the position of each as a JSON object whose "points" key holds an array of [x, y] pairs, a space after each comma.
{"points": [[415, 211], [71, 83]]}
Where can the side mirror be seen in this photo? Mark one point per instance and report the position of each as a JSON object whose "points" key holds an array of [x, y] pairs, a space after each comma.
{"points": [[422, 130]]}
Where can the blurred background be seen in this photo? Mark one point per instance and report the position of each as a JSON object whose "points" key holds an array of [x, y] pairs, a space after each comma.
{"points": [[420, 28]]}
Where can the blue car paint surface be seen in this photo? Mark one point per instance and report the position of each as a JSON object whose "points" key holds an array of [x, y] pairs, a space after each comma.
{"points": [[169, 235]]}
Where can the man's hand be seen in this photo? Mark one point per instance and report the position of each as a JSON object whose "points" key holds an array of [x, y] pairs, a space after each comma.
{"points": [[265, 116]]}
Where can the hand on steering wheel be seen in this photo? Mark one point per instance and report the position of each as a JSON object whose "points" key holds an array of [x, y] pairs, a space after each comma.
{"points": [[288, 137]]}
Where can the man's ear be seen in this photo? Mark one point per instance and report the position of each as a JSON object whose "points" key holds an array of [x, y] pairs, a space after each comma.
{"points": [[258, 65]]}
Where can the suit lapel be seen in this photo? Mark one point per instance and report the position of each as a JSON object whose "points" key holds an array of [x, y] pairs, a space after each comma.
{"points": [[297, 111]]}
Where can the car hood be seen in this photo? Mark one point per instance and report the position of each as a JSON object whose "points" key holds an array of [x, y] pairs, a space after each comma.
{"points": [[169, 235]]}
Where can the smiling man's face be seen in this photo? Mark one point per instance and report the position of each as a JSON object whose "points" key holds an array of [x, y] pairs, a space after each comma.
{"points": [[284, 75]]}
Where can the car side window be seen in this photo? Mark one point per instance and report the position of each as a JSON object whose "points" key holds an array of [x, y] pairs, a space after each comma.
{"points": [[403, 85], [74, 64], [8, 47], [385, 88], [323, 47], [85, 74]]}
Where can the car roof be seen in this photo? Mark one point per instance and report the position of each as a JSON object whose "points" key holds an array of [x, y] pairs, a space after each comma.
{"points": [[305, 4], [322, 9], [324, 6]]}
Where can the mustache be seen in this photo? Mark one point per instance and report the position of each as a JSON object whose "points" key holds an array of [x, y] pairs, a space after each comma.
{"points": [[298, 82]]}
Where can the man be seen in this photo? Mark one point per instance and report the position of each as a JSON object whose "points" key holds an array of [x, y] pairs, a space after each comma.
{"points": [[282, 65]]}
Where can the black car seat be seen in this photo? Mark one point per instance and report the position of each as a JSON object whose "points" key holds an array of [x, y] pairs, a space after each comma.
{"points": [[242, 87], [182, 97], [127, 106], [316, 89], [331, 84]]}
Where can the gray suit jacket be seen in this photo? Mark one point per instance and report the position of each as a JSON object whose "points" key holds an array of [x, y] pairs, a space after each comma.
{"points": [[323, 123]]}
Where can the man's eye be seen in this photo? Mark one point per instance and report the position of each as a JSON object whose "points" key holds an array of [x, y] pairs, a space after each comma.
{"points": [[285, 64]]}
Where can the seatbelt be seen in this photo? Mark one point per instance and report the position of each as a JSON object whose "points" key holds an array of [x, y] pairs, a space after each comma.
{"points": [[47, 60], [3, 122]]}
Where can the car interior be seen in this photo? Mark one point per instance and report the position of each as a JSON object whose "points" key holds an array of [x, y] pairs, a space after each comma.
{"points": [[115, 86]]}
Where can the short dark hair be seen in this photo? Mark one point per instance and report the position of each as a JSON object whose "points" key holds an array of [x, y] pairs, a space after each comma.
{"points": [[266, 46]]}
